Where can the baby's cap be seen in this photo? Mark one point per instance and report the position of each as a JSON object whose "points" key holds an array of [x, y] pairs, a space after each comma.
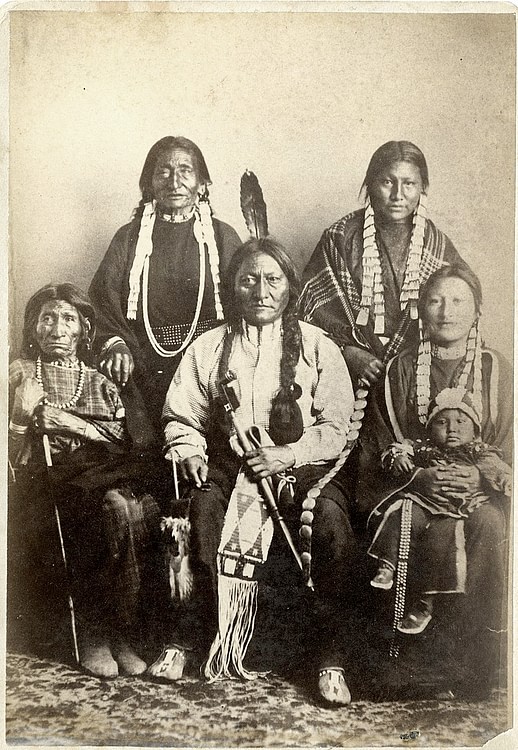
{"points": [[453, 398]]}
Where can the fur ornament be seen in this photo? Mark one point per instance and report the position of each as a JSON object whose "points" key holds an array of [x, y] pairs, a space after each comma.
{"points": [[176, 533]]}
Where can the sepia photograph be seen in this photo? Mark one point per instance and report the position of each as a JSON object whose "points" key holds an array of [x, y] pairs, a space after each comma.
{"points": [[258, 367]]}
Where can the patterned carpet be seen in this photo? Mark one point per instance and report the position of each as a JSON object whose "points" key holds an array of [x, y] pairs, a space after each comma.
{"points": [[52, 704]]}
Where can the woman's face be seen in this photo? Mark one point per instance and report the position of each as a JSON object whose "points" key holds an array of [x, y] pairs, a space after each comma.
{"points": [[176, 183], [261, 289], [58, 330], [395, 191], [449, 312]]}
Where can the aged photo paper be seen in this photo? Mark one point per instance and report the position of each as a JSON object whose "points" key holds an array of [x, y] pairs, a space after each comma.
{"points": [[301, 94]]}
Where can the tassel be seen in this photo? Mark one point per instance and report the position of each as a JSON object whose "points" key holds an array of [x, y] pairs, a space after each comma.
{"points": [[237, 608], [177, 538], [253, 205]]}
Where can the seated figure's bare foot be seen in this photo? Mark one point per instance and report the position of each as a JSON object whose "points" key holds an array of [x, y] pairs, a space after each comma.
{"points": [[129, 663], [96, 657]]}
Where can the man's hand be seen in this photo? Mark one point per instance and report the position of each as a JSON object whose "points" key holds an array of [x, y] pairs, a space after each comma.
{"points": [[269, 460], [194, 470], [363, 365], [117, 363]]}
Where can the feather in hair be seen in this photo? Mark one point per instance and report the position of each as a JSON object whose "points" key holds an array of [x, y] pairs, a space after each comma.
{"points": [[253, 205]]}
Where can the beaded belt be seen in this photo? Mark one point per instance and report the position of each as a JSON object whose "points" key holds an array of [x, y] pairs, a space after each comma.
{"points": [[174, 336]]}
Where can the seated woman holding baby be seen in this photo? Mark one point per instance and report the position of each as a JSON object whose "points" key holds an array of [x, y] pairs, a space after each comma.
{"points": [[441, 490]]}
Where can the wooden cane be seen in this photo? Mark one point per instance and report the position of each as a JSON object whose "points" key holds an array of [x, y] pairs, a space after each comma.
{"points": [[48, 461]]}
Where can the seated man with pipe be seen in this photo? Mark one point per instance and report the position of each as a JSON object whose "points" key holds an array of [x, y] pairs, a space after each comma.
{"points": [[257, 406]]}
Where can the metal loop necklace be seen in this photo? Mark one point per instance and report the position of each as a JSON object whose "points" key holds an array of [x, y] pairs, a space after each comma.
{"points": [[75, 398]]}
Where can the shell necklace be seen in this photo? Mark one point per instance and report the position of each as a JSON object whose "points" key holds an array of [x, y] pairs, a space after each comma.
{"points": [[75, 398]]}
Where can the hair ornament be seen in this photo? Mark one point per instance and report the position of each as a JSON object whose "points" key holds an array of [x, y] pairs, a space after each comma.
{"points": [[372, 284], [204, 233], [410, 289], [143, 250], [472, 365]]}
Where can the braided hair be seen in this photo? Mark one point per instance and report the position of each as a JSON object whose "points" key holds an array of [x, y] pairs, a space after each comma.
{"points": [[286, 424]]}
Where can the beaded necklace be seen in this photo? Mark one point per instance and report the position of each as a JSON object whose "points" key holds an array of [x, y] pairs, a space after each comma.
{"points": [[79, 389], [452, 352], [204, 233], [472, 353], [175, 218]]}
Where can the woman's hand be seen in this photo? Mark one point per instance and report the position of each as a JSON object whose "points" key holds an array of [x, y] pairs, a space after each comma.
{"points": [[194, 470], [363, 365], [26, 398], [269, 460], [49, 419], [451, 481], [117, 363]]}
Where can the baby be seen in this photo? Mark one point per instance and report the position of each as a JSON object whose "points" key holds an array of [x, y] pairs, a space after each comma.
{"points": [[453, 430]]}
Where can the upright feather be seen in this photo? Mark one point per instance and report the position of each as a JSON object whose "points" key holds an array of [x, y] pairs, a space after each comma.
{"points": [[253, 205]]}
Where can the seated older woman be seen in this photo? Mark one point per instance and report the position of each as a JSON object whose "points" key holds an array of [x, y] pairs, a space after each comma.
{"points": [[294, 385], [107, 529], [450, 355]]}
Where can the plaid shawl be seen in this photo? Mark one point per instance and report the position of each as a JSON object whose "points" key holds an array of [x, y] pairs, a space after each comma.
{"points": [[332, 287], [99, 403]]}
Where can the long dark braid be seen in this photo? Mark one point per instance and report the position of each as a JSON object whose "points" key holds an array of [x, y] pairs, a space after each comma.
{"points": [[286, 424]]}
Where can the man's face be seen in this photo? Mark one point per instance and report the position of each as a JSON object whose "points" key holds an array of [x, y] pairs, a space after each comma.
{"points": [[261, 289]]}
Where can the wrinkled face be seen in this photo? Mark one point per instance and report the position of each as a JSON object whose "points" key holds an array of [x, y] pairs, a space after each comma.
{"points": [[395, 192], [176, 183], [449, 312], [261, 289], [58, 330], [451, 427]]}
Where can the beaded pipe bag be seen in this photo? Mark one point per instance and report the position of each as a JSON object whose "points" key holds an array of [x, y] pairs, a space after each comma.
{"points": [[245, 541]]}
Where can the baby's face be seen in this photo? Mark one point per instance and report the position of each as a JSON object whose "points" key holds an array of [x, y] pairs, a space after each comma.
{"points": [[451, 427]]}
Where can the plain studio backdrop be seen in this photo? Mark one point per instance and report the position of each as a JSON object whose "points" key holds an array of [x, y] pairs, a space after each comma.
{"points": [[300, 98]]}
